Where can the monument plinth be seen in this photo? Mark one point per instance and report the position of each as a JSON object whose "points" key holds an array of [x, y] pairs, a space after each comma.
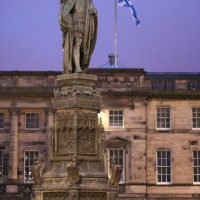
{"points": [[76, 147]]}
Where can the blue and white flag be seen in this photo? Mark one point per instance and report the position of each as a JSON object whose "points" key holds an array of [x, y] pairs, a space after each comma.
{"points": [[128, 3]]}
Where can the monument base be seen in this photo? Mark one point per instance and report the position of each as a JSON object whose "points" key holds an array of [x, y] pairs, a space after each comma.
{"points": [[76, 151]]}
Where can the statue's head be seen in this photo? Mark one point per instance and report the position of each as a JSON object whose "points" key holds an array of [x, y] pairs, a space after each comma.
{"points": [[40, 159], [62, 1]]}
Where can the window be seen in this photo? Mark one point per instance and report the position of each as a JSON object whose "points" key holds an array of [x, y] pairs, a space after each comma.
{"points": [[32, 121], [116, 118], [196, 118], [118, 155], [30, 158], [163, 167], [196, 166], [163, 118], [1, 166], [1, 120]]}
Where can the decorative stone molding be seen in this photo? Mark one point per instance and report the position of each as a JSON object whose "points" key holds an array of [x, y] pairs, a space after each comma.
{"points": [[77, 97], [14, 111], [55, 195], [119, 80], [92, 196]]}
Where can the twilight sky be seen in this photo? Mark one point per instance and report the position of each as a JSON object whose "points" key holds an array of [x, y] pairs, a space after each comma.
{"points": [[168, 39]]}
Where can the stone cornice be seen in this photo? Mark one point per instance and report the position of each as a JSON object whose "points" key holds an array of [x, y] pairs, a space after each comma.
{"points": [[169, 94], [29, 73], [47, 92], [26, 92]]}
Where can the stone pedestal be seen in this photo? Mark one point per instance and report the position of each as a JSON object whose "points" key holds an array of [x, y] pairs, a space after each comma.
{"points": [[76, 151]]}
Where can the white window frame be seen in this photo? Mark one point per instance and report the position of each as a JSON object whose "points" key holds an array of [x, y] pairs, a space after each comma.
{"points": [[2, 128], [122, 180], [117, 115], [196, 118], [27, 164], [163, 168], [1, 167], [165, 118], [37, 128], [197, 166]]}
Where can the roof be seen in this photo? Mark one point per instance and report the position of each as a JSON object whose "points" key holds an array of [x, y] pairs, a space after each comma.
{"points": [[111, 63]]}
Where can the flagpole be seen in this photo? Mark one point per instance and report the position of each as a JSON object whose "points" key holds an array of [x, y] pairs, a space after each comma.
{"points": [[115, 42]]}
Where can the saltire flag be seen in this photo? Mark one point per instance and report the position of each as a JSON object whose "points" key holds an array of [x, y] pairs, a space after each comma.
{"points": [[128, 3]]}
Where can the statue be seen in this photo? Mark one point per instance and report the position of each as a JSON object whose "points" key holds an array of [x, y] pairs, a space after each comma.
{"points": [[115, 174], [38, 170], [73, 171], [78, 22]]}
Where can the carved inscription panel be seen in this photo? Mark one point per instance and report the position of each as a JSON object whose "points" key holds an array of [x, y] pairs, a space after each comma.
{"points": [[87, 127], [76, 131], [64, 132]]}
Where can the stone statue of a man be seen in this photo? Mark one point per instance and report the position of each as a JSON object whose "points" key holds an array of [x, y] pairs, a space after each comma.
{"points": [[78, 22]]}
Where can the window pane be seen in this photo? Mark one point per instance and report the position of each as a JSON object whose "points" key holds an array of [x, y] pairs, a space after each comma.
{"points": [[158, 154], [168, 162], [164, 170], [168, 170], [121, 153], [195, 170], [195, 162], [159, 162], [159, 170], [195, 154], [168, 178], [195, 178], [163, 154], [121, 161], [163, 178]]}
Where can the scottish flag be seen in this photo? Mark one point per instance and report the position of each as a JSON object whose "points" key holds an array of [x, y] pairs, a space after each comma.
{"points": [[128, 3]]}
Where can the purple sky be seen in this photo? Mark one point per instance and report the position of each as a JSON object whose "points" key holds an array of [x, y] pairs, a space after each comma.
{"points": [[168, 39]]}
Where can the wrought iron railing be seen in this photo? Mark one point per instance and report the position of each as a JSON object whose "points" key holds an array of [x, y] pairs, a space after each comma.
{"points": [[193, 84], [160, 84]]}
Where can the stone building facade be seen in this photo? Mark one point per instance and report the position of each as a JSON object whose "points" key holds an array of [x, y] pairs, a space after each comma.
{"points": [[151, 121]]}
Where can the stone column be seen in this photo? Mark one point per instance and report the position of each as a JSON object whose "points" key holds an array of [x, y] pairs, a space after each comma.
{"points": [[50, 118], [13, 152]]}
